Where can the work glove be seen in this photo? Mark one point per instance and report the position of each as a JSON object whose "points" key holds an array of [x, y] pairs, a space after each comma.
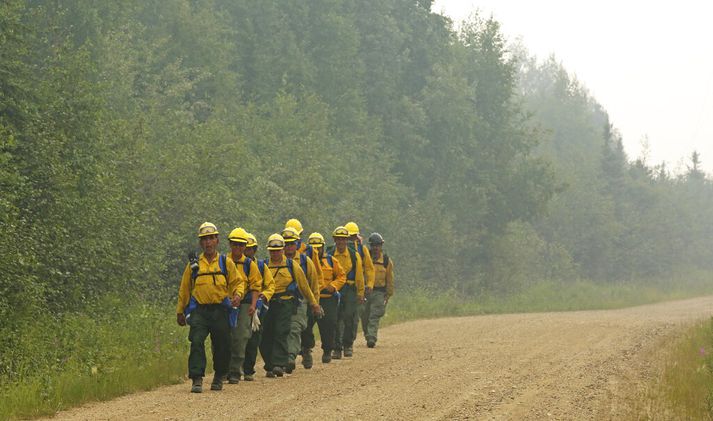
{"points": [[181, 319], [261, 306], [255, 324]]}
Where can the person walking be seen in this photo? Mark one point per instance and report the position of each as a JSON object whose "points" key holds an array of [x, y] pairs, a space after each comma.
{"points": [[351, 294], [290, 285], [240, 334], [333, 280], [375, 307], [268, 289], [210, 288]]}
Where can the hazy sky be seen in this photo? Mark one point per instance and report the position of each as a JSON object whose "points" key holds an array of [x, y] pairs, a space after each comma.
{"points": [[650, 64]]}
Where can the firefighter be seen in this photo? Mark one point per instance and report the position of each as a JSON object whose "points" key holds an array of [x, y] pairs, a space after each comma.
{"points": [[210, 288], [240, 334], [355, 241], [268, 288], [301, 319], [290, 285], [333, 280], [352, 292], [375, 306]]}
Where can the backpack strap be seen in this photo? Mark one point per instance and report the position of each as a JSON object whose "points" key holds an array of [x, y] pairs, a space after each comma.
{"points": [[261, 266], [303, 264], [352, 273], [246, 266], [222, 258], [386, 261]]}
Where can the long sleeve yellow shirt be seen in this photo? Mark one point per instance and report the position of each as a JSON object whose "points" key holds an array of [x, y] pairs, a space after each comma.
{"points": [[368, 267], [282, 277], [268, 283], [345, 261], [313, 277], [211, 286], [254, 279], [332, 275], [384, 275], [314, 257]]}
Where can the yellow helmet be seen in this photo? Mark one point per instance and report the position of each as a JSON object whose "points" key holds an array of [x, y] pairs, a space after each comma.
{"points": [[296, 224], [252, 241], [316, 240], [207, 229], [290, 235], [340, 232], [275, 242], [238, 235], [352, 227]]}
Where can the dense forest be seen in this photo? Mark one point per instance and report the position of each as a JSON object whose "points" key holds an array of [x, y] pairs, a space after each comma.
{"points": [[124, 125]]}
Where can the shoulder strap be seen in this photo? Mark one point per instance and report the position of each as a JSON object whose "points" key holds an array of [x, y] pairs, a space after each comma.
{"points": [[223, 268], [352, 273], [289, 268], [330, 250], [303, 263], [246, 266], [261, 266], [330, 261], [386, 260], [360, 249]]}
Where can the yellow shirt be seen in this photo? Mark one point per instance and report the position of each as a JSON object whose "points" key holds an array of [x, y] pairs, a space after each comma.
{"points": [[254, 280], [345, 261], [333, 276], [268, 283], [368, 266], [312, 276], [315, 258], [211, 286], [282, 277], [384, 276]]}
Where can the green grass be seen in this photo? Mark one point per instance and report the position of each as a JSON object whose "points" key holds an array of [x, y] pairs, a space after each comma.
{"points": [[546, 296], [80, 358], [684, 388]]}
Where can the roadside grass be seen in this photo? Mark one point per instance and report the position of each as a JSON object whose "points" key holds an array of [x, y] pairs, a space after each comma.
{"points": [[546, 296], [66, 361], [684, 387], [80, 358]]}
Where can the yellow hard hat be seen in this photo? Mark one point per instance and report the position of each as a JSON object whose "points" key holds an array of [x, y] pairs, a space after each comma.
{"points": [[296, 224], [238, 235], [252, 241], [290, 235], [340, 232], [207, 229], [352, 227], [316, 239], [275, 242]]}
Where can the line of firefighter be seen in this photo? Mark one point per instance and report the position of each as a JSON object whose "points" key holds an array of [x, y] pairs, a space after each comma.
{"points": [[246, 304]]}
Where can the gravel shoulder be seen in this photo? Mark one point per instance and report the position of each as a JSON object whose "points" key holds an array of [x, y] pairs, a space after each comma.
{"points": [[569, 365]]}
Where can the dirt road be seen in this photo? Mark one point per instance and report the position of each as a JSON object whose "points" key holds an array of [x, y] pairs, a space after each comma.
{"points": [[576, 365]]}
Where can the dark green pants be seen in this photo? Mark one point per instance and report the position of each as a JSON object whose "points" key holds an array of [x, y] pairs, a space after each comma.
{"points": [[239, 336], [374, 310], [251, 349], [273, 347], [209, 320], [327, 324], [308, 332], [347, 318]]}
